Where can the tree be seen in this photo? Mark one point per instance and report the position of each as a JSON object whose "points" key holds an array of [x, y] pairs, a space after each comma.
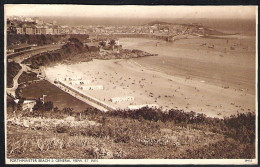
{"points": [[56, 109], [76, 40], [43, 38], [11, 103], [48, 106], [67, 110], [20, 104], [38, 106], [112, 42]]}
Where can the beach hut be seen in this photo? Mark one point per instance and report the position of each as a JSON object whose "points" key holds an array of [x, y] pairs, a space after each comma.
{"points": [[135, 107]]}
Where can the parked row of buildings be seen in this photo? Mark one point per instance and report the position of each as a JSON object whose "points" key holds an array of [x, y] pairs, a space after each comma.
{"points": [[40, 30], [35, 26], [37, 30]]}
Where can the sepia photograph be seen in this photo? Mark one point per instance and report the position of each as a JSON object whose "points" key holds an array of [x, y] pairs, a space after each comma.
{"points": [[130, 84]]}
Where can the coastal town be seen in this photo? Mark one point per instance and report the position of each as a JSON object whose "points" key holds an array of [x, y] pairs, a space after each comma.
{"points": [[101, 42], [36, 26]]}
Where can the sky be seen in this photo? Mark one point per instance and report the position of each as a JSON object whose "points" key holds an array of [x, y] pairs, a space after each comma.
{"points": [[243, 12]]}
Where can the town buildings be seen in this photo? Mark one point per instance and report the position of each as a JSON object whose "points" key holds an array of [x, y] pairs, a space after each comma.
{"points": [[36, 26]]}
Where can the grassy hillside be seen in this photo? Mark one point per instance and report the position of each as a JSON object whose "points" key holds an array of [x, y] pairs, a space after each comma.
{"points": [[143, 133]]}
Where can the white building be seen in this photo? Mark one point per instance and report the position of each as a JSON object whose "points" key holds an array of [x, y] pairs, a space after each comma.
{"points": [[92, 87], [135, 107], [27, 104], [120, 99]]}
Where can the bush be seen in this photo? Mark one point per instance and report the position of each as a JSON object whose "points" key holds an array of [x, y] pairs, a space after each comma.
{"points": [[27, 76], [122, 138], [61, 129], [92, 111], [240, 126], [12, 70]]}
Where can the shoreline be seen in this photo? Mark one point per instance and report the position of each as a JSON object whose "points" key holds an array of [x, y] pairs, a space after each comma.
{"points": [[188, 93], [232, 68], [185, 91]]}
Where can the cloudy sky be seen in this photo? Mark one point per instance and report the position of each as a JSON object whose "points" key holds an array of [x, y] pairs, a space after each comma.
{"points": [[243, 12]]}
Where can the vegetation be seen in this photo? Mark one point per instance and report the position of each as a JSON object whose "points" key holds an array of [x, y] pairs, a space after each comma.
{"points": [[40, 106], [72, 48], [35, 39], [12, 70], [81, 37], [74, 51], [42, 39], [27, 77], [143, 133], [240, 127], [231, 149]]}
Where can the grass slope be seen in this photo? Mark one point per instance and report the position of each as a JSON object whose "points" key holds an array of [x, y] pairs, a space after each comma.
{"points": [[121, 134]]}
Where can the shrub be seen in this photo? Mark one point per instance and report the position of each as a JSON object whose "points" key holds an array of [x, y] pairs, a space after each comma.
{"points": [[12, 70], [61, 129], [122, 138]]}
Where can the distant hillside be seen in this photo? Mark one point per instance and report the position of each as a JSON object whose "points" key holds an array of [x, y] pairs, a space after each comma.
{"points": [[198, 28], [213, 32], [158, 22]]}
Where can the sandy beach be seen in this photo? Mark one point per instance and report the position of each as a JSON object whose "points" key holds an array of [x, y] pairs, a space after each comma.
{"points": [[216, 86]]}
